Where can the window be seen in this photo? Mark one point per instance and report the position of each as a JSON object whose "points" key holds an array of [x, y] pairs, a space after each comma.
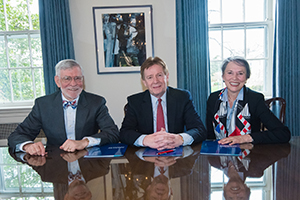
{"points": [[260, 188], [242, 28], [19, 181], [21, 67]]}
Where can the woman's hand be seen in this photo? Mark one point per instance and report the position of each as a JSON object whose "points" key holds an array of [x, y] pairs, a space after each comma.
{"points": [[236, 140]]}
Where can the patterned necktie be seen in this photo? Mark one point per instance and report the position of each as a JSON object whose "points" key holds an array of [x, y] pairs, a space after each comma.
{"points": [[66, 104], [160, 121]]}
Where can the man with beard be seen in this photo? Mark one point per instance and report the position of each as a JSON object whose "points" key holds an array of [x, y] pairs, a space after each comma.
{"points": [[70, 118]]}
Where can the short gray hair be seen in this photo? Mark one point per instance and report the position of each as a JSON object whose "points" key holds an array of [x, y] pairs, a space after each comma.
{"points": [[66, 64], [239, 61]]}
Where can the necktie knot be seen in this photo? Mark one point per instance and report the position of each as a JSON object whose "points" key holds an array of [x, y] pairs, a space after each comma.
{"points": [[66, 104], [162, 170]]}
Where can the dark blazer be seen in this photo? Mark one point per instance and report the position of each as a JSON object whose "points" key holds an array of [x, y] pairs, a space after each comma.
{"points": [[181, 113], [276, 132], [47, 114]]}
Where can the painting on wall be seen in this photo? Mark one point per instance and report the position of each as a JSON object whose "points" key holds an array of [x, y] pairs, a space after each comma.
{"points": [[123, 37]]}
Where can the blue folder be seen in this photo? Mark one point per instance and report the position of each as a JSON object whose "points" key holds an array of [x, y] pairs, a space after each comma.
{"points": [[110, 150], [214, 148]]}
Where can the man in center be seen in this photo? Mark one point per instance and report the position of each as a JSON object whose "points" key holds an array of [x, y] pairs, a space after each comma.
{"points": [[161, 117]]}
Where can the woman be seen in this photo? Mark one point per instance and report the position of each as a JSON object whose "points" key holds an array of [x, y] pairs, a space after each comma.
{"points": [[234, 114]]}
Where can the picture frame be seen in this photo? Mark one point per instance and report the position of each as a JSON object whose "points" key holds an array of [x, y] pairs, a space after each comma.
{"points": [[123, 37]]}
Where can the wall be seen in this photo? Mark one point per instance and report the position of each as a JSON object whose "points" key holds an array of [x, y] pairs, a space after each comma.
{"points": [[116, 87]]}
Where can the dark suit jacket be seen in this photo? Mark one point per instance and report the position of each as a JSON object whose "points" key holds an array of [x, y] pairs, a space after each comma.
{"points": [[260, 113], [47, 114], [181, 115]]}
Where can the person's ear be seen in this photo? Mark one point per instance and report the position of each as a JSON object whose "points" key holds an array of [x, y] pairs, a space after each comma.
{"points": [[144, 82], [56, 79]]}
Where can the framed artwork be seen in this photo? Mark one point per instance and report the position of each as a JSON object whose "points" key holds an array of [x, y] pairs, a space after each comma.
{"points": [[123, 37]]}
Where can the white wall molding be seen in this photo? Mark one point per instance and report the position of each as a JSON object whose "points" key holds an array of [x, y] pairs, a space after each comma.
{"points": [[13, 115]]}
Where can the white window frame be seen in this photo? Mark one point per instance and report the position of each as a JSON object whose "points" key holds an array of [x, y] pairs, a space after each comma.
{"points": [[269, 23], [16, 111], [264, 183]]}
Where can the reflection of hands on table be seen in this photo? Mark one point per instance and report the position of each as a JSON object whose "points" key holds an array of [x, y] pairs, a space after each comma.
{"points": [[71, 157], [246, 146], [35, 160], [163, 161]]}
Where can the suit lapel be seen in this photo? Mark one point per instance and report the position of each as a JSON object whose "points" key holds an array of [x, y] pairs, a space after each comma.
{"points": [[171, 113], [59, 115], [147, 107], [81, 115]]}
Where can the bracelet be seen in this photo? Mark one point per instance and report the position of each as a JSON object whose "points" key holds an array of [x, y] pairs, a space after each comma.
{"points": [[87, 140], [182, 139]]}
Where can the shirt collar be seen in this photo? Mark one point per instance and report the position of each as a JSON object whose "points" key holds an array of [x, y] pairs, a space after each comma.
{"points": [[240, 96], [163, 98], [65, 99]]}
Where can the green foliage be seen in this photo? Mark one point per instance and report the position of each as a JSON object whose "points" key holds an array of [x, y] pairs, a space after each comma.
{"points": [[17, 175], [18, 73]]}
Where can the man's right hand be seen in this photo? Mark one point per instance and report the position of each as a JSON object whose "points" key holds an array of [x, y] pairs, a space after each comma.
{"points": [[36, 149]]}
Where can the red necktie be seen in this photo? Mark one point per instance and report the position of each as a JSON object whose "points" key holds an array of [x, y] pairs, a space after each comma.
{"points": [[160, 121]]}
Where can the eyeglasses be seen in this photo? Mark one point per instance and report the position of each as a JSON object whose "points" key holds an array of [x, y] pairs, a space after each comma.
{"points": [[68, 79]]}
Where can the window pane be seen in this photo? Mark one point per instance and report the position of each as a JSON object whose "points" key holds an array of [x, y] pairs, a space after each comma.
{"points": [[34, 14], [257, 194], [256, 43], [36, 50], [256, 80], [5, 93], [18, 51], [216, 195], [30, 179], [215, 45], [232, 11], [17, 15], [39, 82], [216, 76], [214, 11], [216, 175], [3, 63], [2, 19], [254, 10], [22, 84], [233, 42]]}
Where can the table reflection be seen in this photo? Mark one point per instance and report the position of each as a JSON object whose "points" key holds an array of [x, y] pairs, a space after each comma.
{"points": [[252, 164], [69, 172], [151, 176], [264, 173]]}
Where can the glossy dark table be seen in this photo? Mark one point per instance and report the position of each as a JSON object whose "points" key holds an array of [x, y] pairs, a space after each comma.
{"points": [[267, 172]]}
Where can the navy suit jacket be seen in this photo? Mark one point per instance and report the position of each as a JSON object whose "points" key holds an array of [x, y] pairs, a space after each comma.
{"points": [[181, 113], [47, 114]]}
